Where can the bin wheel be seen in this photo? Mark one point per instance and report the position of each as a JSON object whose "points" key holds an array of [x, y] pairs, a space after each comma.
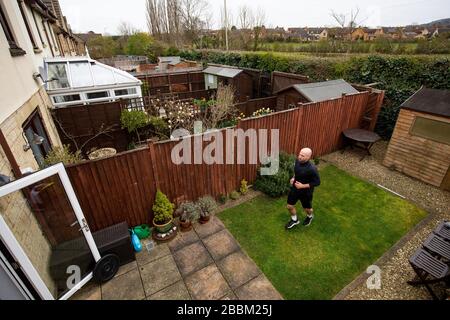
{"points": [[106, 268]]}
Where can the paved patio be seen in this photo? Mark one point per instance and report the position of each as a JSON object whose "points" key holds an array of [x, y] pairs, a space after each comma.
{"points": [[206, 263]]}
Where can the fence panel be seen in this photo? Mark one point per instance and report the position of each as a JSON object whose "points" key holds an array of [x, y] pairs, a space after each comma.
{"points": [[123, 187]]}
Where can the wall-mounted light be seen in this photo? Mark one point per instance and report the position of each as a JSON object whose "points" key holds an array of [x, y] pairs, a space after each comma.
{"points": [[37, 140]]}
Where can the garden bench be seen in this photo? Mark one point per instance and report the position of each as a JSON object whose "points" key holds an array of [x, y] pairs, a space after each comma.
{"points": [[443, 231], [429, 270], [438, 246]]}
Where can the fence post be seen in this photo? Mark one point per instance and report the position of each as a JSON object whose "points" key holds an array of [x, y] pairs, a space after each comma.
{"points": [[152, 154]]}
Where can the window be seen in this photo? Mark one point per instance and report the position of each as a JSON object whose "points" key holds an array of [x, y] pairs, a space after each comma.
{"points": [[13, 47], [67, 98], [33, 128], [435, 130], [57, 76], [37, 28], [27, 24], [125, 92], [97, 95]]}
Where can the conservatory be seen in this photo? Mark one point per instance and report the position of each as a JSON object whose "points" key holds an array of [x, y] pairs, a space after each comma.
{"points": [[81, 80]]}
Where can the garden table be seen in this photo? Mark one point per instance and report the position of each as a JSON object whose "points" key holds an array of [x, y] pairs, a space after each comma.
{"points": [[358, 137]]}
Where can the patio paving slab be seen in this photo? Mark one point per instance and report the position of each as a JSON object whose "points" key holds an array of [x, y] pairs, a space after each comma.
{"points": [[159, 274], [230, 297], [91, 291], [221, 244], [258, 289], [177, 291], [144, 257], [213, 226], [238, 269], [126, 268], [182, 240], [192, 258], [125, 287], [207, 284]]}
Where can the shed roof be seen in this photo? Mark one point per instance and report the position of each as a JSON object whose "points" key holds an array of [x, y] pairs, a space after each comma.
{"points": [[431, 101], [170, 60], [321, 91], [223, 72]]}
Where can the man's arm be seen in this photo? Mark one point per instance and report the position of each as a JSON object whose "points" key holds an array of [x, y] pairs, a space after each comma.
{"points": [[314, 183]]}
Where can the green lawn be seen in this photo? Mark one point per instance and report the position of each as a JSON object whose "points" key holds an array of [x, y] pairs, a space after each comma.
{"points": [[355, 224]]}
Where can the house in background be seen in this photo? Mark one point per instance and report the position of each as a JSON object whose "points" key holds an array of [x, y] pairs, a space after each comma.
{"points": [[291, 96], [420, 145]]}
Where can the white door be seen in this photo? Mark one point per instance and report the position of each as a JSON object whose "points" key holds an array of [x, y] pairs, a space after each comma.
{"points": [[44, 229]]}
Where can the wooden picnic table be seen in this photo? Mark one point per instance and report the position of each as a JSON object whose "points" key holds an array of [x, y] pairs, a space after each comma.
{"points": [[360, 138]]}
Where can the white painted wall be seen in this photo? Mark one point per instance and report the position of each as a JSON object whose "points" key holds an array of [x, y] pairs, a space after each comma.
{"points": [[16, 73]]}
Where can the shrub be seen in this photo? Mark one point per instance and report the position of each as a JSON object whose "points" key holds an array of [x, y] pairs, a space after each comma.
{"points": [[277, 185], [188, 211], [163, 208], [244, 187], [133, 120], [207, 205], [234, 195], [316, 161], [159, 126], [63, 155], [223, 199]]}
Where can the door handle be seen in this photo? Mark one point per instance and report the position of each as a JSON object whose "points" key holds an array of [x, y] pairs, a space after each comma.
{"points": [[74, 224]]}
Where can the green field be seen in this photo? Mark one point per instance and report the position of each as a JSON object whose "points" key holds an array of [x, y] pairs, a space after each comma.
{"points": [[355, 224]]}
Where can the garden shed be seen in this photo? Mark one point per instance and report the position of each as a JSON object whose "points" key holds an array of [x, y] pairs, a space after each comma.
{"points": [[238, 78], [312, 92], [420, 145]]}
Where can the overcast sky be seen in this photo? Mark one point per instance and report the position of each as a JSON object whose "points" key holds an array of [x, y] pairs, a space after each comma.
{"points": [[103, 16]]}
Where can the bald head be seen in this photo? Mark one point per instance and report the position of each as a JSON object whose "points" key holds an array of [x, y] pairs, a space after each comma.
{"points": [[305, 155]]}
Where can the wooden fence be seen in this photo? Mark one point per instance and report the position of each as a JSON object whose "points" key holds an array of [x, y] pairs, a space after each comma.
{"points": [[95, 126], [179, 82], [123, 187], [250, 106]]}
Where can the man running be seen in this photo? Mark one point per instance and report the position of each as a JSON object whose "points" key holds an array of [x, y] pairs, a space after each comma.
{"points": [[303, 183]]}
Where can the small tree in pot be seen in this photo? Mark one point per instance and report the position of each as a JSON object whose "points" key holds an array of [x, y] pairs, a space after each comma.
{"points": [[163, 211], [207, 206], [187, 212]]}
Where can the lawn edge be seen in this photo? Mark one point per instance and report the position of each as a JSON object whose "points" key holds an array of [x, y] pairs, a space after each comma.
{"points": [[385, 257]]}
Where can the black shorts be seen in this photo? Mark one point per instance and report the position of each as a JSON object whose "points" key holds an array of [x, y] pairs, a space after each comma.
{"points": [[306, 198]]}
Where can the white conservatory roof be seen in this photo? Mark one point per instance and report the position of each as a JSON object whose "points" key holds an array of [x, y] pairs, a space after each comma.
{"points": [[79, 73]]}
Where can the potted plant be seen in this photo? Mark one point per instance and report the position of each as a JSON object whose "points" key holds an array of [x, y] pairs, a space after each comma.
{"points": [[163, 211], [187, 212], [207, 206]]}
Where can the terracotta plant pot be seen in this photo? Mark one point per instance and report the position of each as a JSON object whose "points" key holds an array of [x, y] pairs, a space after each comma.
{"points": [[204, 220], [163, 228], [185, 226]]}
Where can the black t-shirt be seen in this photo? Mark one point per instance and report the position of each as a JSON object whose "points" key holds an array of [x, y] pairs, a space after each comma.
{"points": [[306, 173]]}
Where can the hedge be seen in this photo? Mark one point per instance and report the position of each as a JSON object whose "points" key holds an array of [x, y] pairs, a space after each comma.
{"points": [[399, 76]]}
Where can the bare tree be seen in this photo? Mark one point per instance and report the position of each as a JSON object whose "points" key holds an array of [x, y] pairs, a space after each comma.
{"points": [[245, 24], [126, 29], [258, 26], [193, 13], [350, 20]]}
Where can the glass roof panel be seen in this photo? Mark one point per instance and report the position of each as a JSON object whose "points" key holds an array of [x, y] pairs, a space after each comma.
{"points": [[81, 74], [102, 76]]}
